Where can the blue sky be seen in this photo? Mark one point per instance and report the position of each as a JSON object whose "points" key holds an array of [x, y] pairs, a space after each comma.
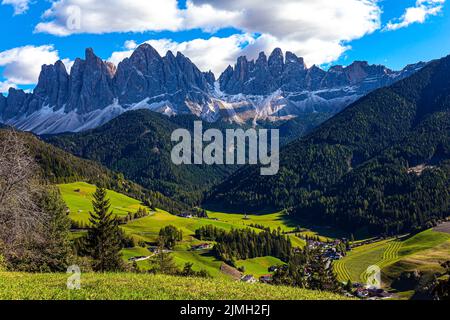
{"points": [[213, 33]]}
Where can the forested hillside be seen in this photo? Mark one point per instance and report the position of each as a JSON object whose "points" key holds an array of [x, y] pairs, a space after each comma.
{"points": [[383, 163], [58, 166]]}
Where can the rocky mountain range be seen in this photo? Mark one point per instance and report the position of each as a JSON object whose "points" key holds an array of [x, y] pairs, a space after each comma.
{"points": [[274, 88]]}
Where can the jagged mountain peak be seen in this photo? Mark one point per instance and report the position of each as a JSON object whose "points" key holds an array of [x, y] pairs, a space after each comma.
{"points": [[293, 58], [271, 87], [181, 56], [289, 73], [53, 84], [90, 55], [277, 52], [2, 104], [262, 57], [359, 63], [210, 77], [147, 49], [170, 55]]}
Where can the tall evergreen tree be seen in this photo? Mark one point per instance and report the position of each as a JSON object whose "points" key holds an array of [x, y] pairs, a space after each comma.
{"points": [[163, 262], [169, 236], [57, 250], [103, 242]]}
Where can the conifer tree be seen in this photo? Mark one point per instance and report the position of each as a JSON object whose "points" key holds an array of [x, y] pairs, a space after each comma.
{"points": [[103, 242], [56, 249], [163, 262]]}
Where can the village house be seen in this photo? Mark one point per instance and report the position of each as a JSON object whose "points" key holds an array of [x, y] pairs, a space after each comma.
{"points": [[185, 215], [156, 250], [249, 279], [367, 292], [203, 246], [140, 258]]}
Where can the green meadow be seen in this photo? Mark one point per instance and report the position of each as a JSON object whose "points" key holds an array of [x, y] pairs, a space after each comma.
{"points": [[78, 198], [423, 251], [129, 286], [258, 266]]}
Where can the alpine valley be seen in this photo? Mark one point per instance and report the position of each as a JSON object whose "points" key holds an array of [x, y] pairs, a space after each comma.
{"points": [[364, 181]]}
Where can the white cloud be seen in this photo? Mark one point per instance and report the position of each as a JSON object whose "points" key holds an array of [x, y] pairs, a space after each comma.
{"points": [[302, 19], [313, 50], [67, 17], [22, 65], [5, 85], [318, 30], [68, 64], [296, 19], [20, 6], [130, 44], [417, 14], [315, 29], [208, 18]]}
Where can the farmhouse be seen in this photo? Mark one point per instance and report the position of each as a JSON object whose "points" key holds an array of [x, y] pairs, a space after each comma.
{"points": [[141, 258], [185, 215], [367, 292], [249, 279], [203, 246]]}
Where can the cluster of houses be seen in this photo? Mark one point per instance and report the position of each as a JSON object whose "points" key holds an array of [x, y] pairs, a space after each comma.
{"points": [[157, 250], [329, 249], [333, 251], [332, 254], [368, 292], [185, 215], [188, 215], [267, 278]]}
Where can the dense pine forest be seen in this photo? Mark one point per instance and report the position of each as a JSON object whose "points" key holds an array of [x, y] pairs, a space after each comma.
{"points": [[246, 244], [138, 145], [382, 164], [57, 166]]}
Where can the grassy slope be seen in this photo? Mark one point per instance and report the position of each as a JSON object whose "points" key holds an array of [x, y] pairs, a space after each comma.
{"points": [[422, 251], [202, 260], [358, 260], [273, 221], [258, 266], [19, 286], [78, 197]]}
